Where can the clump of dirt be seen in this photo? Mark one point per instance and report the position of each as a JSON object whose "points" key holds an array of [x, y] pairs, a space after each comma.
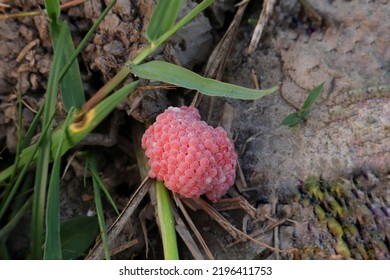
{"points": [[119, 37]]}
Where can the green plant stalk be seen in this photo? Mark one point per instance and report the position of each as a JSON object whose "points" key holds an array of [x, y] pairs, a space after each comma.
{"points": [[21, 14], [99, 211], [106, 89], [166, 221], [52, 249]]}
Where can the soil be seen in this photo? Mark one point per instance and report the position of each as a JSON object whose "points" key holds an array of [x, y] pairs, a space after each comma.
{"points": [[344, 139]]}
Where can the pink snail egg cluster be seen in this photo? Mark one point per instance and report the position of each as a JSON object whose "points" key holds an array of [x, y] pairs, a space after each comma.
{"points": [[191, 157]]}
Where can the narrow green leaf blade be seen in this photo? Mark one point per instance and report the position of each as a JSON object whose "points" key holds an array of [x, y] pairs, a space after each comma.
{"points": [[176, 75], [87, 38], [163, 18], [311, 98], [44, 153], [77, 235], [71, 85], [292, 120], [12, 223], [52, 249], [99, 206], [100, 182], [53, 9]]}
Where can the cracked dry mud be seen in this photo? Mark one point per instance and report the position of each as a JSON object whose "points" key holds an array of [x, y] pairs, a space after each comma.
{"points": [[348, 126]]}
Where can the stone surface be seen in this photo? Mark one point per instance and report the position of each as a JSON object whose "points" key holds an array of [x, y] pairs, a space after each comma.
{"points": [[348, 127]]}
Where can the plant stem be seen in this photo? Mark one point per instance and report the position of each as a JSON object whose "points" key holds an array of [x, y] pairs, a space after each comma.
{"points": [[167, 225], [106, 89]]}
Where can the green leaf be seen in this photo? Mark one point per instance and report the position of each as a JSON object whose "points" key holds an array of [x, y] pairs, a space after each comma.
{"points": [[44, 153], [71, 85], [310, 99], [53, 9], [295, 118], [100, 182], [163, 18], [176, 75], [91, 163], [77, 235], [292, 119], [101, 220], [52, 250]]}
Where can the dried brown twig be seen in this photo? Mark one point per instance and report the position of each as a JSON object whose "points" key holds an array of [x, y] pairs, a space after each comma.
{"points": [[268, 7], [97, 251]]}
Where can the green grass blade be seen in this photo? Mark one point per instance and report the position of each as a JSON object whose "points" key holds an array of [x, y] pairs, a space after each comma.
{"points": [[86, 38], [53, 9], [6, 229], [163, 18], [20, 124], [99, 207], [176, 75], [100, 182], [52, 250], [18, 147], [167, 224], [71, 85], [23, 194], [311, 98], [292, 119], [77, 235], [44, 153], [31, 130], [26, 164]]}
